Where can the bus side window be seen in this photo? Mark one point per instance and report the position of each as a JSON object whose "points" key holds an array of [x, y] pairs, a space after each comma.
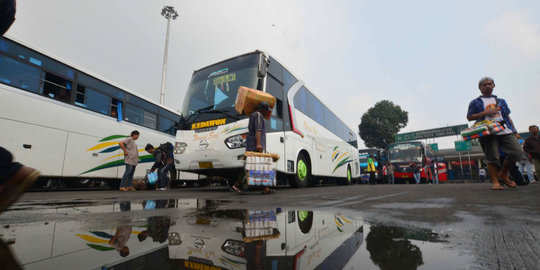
{"points": [[115, 109], [275, 88], [92, 100], [18, 74], [57, 87]]}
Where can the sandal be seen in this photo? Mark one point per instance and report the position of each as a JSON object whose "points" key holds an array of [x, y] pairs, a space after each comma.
{"points": [[496, 187], [235, 188], [509, 183], [267, 191]]}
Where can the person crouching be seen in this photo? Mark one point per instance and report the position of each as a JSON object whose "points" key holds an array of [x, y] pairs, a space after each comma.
{"points": [[163, 164]]}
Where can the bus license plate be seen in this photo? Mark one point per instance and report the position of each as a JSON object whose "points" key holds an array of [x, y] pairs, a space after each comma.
{"points": [[206, 165]]}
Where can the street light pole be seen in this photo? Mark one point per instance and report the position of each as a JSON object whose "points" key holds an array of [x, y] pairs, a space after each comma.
{"points": [[169, 13]]}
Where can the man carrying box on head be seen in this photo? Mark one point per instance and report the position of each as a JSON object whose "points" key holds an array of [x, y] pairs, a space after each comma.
{"points": [[256, 138]]}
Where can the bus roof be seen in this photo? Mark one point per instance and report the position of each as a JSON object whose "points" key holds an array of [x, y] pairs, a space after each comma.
{"points": [[67, 63]]}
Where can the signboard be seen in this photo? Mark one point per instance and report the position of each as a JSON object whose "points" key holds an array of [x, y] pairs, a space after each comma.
{"points": [[431, 133], [434, 146], [462, 145]]}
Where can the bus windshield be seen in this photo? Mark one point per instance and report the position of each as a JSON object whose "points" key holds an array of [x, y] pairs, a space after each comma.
{"points": [[406, 152], [216, 87]]}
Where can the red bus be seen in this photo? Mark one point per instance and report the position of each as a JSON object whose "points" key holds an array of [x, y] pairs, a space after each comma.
{"points": [[402, 154]]}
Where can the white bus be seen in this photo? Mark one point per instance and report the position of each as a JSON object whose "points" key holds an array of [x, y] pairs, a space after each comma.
{"points": [[313, 143], [218, 239], [67, 123]]}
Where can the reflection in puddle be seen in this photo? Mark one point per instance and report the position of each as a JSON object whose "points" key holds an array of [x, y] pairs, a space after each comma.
{"points": [[197, 234]]}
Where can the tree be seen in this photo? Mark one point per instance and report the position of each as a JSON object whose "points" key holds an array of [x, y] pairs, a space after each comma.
{"points": [[381, 123]]}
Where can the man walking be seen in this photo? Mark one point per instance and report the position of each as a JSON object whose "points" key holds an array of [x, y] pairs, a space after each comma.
{"points": [[416, 172], [390, 170], [490, 107], [435, 172], [131, 159], [256, 138], [482, 174], [532, 147], [371, 169], [524, 164]]}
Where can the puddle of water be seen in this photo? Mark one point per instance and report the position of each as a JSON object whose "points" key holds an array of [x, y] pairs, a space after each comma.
{"points": [[199, 234]]}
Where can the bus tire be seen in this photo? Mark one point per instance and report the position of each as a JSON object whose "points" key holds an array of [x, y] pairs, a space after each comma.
{"points": [[302, 177], [348, 179], [305, 221]]}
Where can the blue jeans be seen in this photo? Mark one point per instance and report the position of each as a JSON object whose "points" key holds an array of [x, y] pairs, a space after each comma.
{"points": [[526, 166], [417, 177], [391, 179], [162, 176], [127, 179]]}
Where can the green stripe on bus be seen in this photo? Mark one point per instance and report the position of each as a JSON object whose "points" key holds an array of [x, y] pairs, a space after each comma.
{"points": [[110, 149], [116, 163], [100, 248], [112, 137], [341, 163]]}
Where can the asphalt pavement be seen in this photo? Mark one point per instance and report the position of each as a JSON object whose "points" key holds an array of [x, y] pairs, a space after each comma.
{"points": [[497, 229]]}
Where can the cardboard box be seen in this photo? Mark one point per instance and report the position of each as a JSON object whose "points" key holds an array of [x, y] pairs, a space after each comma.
{"points": [[248, 99]]}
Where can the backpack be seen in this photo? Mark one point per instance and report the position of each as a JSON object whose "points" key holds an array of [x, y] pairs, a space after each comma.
{"points": [[167, 149]]}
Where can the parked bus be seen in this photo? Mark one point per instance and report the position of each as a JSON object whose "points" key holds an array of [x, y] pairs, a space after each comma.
{"points": [[379, 160], [312, 142], [245, 239], [402, 154], [67, 123]]}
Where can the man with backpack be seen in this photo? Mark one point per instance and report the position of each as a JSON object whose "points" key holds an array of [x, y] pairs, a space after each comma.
{"points": [[164, 156]]}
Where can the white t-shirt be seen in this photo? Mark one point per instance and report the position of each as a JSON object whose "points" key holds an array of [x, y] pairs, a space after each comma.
{"points": [[491, 102]]}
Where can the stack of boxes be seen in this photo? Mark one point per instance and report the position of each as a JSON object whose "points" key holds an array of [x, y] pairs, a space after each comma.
{"points": [[260, 170], [259, 224], [248, 99]]}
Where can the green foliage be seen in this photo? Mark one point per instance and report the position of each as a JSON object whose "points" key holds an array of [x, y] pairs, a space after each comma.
{"points": [[381, 123]]}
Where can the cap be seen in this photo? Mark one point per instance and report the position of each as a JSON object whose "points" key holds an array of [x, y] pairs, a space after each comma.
{"points": [[263, 106]]}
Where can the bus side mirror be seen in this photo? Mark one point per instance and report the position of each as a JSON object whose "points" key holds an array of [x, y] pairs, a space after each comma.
{"points": [[263, 64]]}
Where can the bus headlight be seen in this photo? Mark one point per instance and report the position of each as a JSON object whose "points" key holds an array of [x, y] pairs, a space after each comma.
{"points": [[234, 247], [179, 147], [174, 239], [236, 141]]}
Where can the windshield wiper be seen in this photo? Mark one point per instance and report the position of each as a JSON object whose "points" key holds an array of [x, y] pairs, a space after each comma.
{"points": [[223, 112], [197, 112]]}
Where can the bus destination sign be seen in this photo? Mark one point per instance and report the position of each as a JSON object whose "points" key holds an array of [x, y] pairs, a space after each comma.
{"points": [[431, 133]]}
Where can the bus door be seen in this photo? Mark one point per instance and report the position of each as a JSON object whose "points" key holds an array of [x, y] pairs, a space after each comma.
{"points": [[275, 135]]}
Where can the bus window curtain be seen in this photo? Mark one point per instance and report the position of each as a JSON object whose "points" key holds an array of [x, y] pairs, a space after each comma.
{"points": [[119, 111]]}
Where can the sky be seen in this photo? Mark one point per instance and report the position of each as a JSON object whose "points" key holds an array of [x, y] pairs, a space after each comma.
{"points": [[425, 56]]}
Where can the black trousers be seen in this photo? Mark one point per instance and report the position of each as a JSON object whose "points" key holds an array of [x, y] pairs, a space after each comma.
{"points": [[372, 178]]}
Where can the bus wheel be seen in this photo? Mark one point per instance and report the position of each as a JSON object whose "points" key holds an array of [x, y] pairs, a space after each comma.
{"points": [[303, 172], [305, 221], [348, 179], [349, 176]]}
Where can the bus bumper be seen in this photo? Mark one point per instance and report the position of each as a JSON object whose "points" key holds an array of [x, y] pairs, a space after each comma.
{"points": [[211, 161]]}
